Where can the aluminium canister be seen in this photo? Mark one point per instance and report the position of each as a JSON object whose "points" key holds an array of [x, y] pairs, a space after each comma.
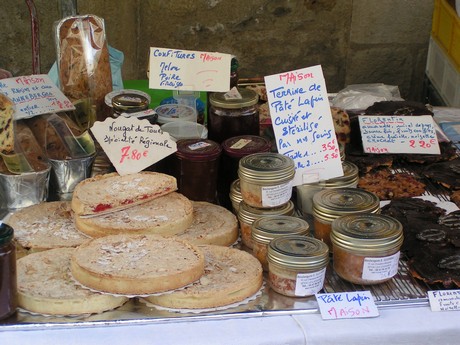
{"points": [[366, 247], [297, 265]]}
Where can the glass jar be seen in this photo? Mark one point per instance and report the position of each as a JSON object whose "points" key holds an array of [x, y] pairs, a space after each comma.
{"points": [[266, 179], [330, 204], [129, 103], [235, 195], [195, 165], [229, 117], [248, 214], [297, 265], [233, 149], [8, 279], [366, 247], [267, 228], [305, 192]]}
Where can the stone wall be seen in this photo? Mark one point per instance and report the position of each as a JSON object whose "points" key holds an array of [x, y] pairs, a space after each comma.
{"points": [[355, 41]]}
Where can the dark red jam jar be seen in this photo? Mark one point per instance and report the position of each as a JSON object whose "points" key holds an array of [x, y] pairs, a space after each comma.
{"points": [[195, 165], [233, 149], [230, 117], [8, 280]]}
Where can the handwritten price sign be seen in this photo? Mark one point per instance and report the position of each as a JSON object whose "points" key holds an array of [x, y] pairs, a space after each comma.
{"points": [[399, 134], [302, 122], [132, 144], [34, 95], [174, 69], [347, 305]]}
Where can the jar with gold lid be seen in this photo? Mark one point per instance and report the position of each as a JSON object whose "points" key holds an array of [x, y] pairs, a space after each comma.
{"points": [[267, 228], [248, 214], [305, 192], [330, 204], [366, 247], [129, 102], [297, 265], [266, 179], [8, 276], [235, 195], [231, 114]]}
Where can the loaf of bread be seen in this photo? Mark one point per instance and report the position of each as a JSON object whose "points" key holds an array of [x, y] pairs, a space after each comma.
{"points": [[46, 286], [167, 215], [112, 192], [231, 276], [46, 225], [6, 125], [136, 264], [212, 224], [83, 60]]}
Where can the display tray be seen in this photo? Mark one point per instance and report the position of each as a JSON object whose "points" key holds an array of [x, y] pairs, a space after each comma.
{"points": [[402, 291]]}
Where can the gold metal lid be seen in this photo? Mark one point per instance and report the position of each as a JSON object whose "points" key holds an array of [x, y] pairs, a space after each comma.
{"points": [[330, 204], [267, 228], [266, 167], [235, 191], [249, 214], [130, 102], [350, 176], [298, 252], [248, 98], [367, 233]]}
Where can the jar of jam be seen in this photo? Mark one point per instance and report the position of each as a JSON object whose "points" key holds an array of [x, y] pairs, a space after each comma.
{"points": [[233, 149], [330, 204], [297, 265], [267, 228], [305, 192], [232, 116], [195, 165], [235, 195], [8, 279], [266, 179], [366, 247], [248, 214]]}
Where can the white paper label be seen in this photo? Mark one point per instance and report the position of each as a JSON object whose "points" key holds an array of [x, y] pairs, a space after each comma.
{"points": [[347, 305], [380, 268], [444, 300], [276, 195], [308, 284]]}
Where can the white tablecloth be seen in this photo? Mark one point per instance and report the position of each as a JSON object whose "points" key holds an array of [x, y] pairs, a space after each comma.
{"points": [[414, 325]]}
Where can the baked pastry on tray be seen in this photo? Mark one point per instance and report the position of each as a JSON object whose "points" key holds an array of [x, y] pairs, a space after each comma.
{"points": [[231, 276], [45, 286], [136, 264]]}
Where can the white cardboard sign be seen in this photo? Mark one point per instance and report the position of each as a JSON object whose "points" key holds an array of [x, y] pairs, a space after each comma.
{"points": [[444, 300], [188, 70], [132, 144], [399, 134], [347, 305], [302, 123], [34, 95]]}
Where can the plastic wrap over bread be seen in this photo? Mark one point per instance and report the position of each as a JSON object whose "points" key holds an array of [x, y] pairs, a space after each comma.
{"points": [[83, 63]]}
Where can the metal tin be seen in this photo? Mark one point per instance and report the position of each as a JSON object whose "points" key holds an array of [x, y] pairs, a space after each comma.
{"points": [[266, 179], [248, 214], [297, 265], [235, 195], [8, 286], [306, 192], [231, 116], [367, 233], [129, 103], [366, 247]]}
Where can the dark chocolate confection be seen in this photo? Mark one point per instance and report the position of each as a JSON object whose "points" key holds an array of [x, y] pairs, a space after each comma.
{"points": [[400, 108], [448, 152], [446, 174], [367, 162]]}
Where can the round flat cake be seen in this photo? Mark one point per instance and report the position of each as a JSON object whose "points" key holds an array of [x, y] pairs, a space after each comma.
{"points": [[167, 215], [45, 286], [212, 224], [136, 264], [46, 225], [231, 276]]}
